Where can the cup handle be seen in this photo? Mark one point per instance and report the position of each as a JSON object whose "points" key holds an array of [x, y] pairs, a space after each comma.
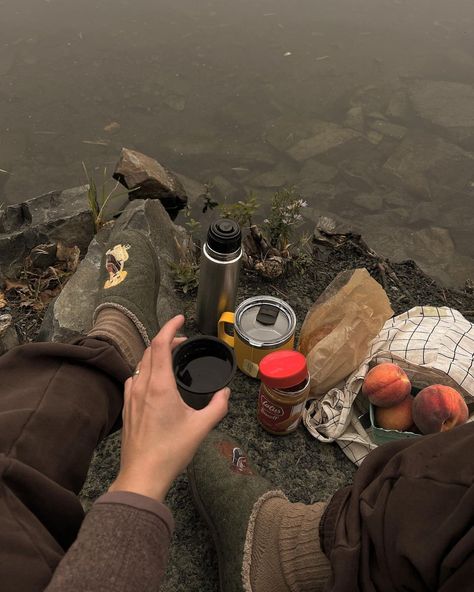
{"points": [[226, 317]]}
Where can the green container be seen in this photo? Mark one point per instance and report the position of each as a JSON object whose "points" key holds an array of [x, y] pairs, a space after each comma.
{"points": [[381, 435]]}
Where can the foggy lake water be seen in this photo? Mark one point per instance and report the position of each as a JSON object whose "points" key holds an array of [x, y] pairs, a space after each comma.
{"points": [[366, 107]]}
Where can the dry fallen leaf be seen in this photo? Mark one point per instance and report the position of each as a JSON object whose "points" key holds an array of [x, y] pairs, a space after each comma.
{"points": [[47, 295], [15, 285], [3, 300]]}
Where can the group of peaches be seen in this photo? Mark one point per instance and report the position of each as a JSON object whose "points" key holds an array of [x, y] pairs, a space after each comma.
{"points": [[436, 408]]}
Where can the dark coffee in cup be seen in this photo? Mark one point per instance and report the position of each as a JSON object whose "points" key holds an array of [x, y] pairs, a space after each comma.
{"points": [[202, 365]]}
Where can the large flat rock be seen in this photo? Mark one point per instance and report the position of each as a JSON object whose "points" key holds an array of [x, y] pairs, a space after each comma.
{"points": [[327, 139], [56, 216], [448, 105], [429, 166]]}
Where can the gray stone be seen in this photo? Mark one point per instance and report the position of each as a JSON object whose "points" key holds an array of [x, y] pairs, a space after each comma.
{"points": [[371, 98], [223, 188], [13, 217], [370, 202], [56, 216], [344, 190], [374, 137], [238, 155], [391, 130], [71, 313], [194, 189], [425, 211], [150, 180], [284, 132], [8, 334], [328, 138], [315, 171], [434, 243], [282, 175], [357, 174], [398, 107], [463, 241], [355, 118], [394, 198], [429, 166], [320, 194], [449, 105], [43, 256], [400, 215], [375, 115], [455, 218]]}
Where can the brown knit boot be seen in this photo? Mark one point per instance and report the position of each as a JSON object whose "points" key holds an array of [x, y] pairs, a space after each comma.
{"points": [[283, 550]]}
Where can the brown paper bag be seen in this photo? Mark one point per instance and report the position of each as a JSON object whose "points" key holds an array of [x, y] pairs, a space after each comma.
{"points": [[339, 327]]}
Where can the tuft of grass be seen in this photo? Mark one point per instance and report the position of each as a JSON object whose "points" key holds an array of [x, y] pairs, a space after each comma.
{"points": [[99, 196]]}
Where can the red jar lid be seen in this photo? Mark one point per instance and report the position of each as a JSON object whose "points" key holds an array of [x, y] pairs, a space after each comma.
{"points": [[283, 369]]}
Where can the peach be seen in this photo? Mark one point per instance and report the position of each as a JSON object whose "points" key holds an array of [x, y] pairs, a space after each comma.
{"points": [[399, 417], [386, 385], [439, 408]]}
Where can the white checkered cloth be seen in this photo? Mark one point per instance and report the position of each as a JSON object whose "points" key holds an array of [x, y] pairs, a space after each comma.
{"points": [[433, 345]]}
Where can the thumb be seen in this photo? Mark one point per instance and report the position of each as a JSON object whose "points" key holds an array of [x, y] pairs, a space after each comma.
{"points": [[217, 409]]}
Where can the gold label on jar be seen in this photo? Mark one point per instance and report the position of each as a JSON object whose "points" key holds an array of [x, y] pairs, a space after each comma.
{"points": [[280, 413]]}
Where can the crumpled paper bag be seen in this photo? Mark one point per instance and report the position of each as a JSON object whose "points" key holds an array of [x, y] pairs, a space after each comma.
{"points": [[339, 327]]}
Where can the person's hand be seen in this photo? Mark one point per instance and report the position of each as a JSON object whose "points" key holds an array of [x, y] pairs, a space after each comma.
{"points": [[160, 432]]}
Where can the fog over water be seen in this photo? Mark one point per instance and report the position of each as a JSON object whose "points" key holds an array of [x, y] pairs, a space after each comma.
{"points": [[365, 106]]}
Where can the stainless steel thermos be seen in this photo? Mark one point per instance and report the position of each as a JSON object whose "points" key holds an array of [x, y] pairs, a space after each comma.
{"points": [[219, 274]]}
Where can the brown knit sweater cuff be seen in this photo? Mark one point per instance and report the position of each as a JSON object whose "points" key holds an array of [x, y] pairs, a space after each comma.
{"points": [[140, 502], [327, 525], [122, 546]]}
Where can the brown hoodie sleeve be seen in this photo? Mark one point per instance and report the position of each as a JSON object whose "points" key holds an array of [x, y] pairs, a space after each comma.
{"points": [[122, 547]]}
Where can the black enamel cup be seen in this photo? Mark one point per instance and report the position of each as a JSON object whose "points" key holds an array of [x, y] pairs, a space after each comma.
{"points": [[202, 365]]}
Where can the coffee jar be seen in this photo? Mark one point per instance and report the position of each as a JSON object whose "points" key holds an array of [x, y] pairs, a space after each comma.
{"points": [[283, 391]]}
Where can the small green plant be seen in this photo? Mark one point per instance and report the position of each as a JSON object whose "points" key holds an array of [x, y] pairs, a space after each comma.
{"points": [[99, 197], [192, 225], [208, 202], [242, 211], [185, 275], [285, 216]]}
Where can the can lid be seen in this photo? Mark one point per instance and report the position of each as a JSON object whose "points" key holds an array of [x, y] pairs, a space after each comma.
{"points": [[265, 321], [224, 236], [283, 369]]}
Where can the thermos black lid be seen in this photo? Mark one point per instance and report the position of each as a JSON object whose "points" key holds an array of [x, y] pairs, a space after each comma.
{"points": [[224, 236]]}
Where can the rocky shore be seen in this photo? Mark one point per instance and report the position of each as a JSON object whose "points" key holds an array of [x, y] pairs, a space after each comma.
{"points": [[305, 469]]}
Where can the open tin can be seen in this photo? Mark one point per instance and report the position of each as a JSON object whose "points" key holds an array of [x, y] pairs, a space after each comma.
{"points": [[261, 325]]}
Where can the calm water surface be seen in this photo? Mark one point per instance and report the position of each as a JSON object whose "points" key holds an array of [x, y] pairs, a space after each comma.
{"points": [[235, 93]]}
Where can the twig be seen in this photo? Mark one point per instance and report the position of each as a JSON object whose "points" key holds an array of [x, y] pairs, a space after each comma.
{"points": [[279, 291], [382, 275]]}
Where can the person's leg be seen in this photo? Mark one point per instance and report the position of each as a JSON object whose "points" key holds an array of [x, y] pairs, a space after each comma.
{"points": [[264, 542], [57, 402]]}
